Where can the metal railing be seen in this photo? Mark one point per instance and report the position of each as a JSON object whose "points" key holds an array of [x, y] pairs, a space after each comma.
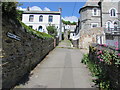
{"points": [[112, 30]]}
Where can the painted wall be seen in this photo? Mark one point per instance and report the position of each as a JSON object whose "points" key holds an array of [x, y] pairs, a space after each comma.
{"points": [[44, 23]]}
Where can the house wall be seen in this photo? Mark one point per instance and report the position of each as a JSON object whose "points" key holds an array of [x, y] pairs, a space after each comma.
{"points": [[86, 18], [106, 6], [90, 36], [44, 23]]}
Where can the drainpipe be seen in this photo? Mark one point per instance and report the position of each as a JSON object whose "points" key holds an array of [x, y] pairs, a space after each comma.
{"points": [[100, 5]]}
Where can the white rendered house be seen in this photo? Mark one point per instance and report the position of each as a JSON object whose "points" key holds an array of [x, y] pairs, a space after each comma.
{"points": [[39, 20]]}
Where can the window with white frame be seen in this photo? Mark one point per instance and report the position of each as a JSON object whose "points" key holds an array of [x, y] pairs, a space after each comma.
{"points": [[113, 12], [31, 17], [31, 26], [108, 25], [50, 19], [95, 12], [116, 25], [94, 25], [40, 18], [40, 28]]}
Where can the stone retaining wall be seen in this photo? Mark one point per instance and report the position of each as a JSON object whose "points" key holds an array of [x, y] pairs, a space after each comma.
{"points": [[75, 43], [87, 37], [20, 56]]}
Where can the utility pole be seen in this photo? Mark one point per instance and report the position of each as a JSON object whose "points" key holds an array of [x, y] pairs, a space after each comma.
{"points": [[60, 35], [100, 5]]}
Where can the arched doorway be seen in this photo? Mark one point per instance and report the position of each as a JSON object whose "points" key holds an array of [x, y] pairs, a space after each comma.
{"points": [[40, 28], [115, 25], [109, 25]]}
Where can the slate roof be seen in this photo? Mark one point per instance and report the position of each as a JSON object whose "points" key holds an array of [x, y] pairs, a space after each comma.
{"points": [[41, 12], [90, 3]]}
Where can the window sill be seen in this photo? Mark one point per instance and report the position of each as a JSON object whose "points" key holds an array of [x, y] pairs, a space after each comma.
{"points": [[95, 16]]}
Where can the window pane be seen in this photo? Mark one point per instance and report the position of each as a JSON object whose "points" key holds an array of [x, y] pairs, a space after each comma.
{"points": [[113, 12], [50, 18], [95, 12], [40, 28], [31, 26], [94, 25], [31, 18], [40, 18]]}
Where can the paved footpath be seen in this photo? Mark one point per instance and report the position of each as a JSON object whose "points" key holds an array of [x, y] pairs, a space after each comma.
{"points": [[60, 69]]}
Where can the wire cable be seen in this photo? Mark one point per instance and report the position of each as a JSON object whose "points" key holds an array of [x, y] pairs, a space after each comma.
{"points": [[74, 8]]}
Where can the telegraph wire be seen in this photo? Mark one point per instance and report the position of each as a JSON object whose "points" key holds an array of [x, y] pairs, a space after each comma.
{"points": [[74, 8]]}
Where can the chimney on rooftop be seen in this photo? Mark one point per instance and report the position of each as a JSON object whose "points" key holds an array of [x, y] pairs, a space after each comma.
{"points": [[28, 8], [60, 9]]}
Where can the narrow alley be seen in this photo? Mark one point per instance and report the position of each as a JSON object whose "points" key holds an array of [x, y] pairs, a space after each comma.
{"points": [[60, 69]]}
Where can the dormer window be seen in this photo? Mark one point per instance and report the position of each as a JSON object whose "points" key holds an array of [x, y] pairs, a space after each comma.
{"points": [[113, 12], [95, 12]]}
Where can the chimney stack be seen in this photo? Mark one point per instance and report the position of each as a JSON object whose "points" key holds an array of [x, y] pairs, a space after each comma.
{"points": [[60, 9], [28, 8]]}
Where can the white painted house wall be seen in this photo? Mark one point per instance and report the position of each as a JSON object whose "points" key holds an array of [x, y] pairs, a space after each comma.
{"points": [[56, 21]]}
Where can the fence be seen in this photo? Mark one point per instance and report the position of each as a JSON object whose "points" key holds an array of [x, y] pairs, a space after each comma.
{"points": [[112, 30]]}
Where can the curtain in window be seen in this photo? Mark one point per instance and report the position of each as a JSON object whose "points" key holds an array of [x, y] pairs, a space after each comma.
{"points": [[31, 18], [41, 18], [113, 12], [50, 19]]}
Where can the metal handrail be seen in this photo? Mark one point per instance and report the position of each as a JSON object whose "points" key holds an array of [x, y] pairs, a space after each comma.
{"points": [[112, 30]]}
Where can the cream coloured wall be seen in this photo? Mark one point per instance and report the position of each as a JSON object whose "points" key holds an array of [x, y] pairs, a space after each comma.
{"points": [[44, 23]]}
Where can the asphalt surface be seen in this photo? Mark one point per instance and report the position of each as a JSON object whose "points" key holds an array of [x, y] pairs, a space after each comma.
{"points": [[61, 68]]}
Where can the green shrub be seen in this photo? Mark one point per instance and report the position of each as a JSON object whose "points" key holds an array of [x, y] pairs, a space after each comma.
{"points": [[85, 59], [9, 9], [101, 76], [52, 30], [34, 32]]}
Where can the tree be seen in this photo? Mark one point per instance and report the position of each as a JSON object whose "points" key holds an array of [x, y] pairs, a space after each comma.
{"points": [[52, 30], [19, 14], [9, 9], [68, 22], [74, 23]]}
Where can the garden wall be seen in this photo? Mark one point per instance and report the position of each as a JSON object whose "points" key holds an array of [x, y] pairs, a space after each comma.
{"points": [[21, 52], [108, 59], [89, 36]]}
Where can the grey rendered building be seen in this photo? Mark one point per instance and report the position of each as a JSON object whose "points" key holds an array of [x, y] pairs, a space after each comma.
{"points": [[90, 15], [101, 13]]}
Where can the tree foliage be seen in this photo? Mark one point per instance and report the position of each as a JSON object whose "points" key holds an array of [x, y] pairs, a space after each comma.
{"points": [[68, 22], [9, 9], [52, 30], [19, 14]]}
